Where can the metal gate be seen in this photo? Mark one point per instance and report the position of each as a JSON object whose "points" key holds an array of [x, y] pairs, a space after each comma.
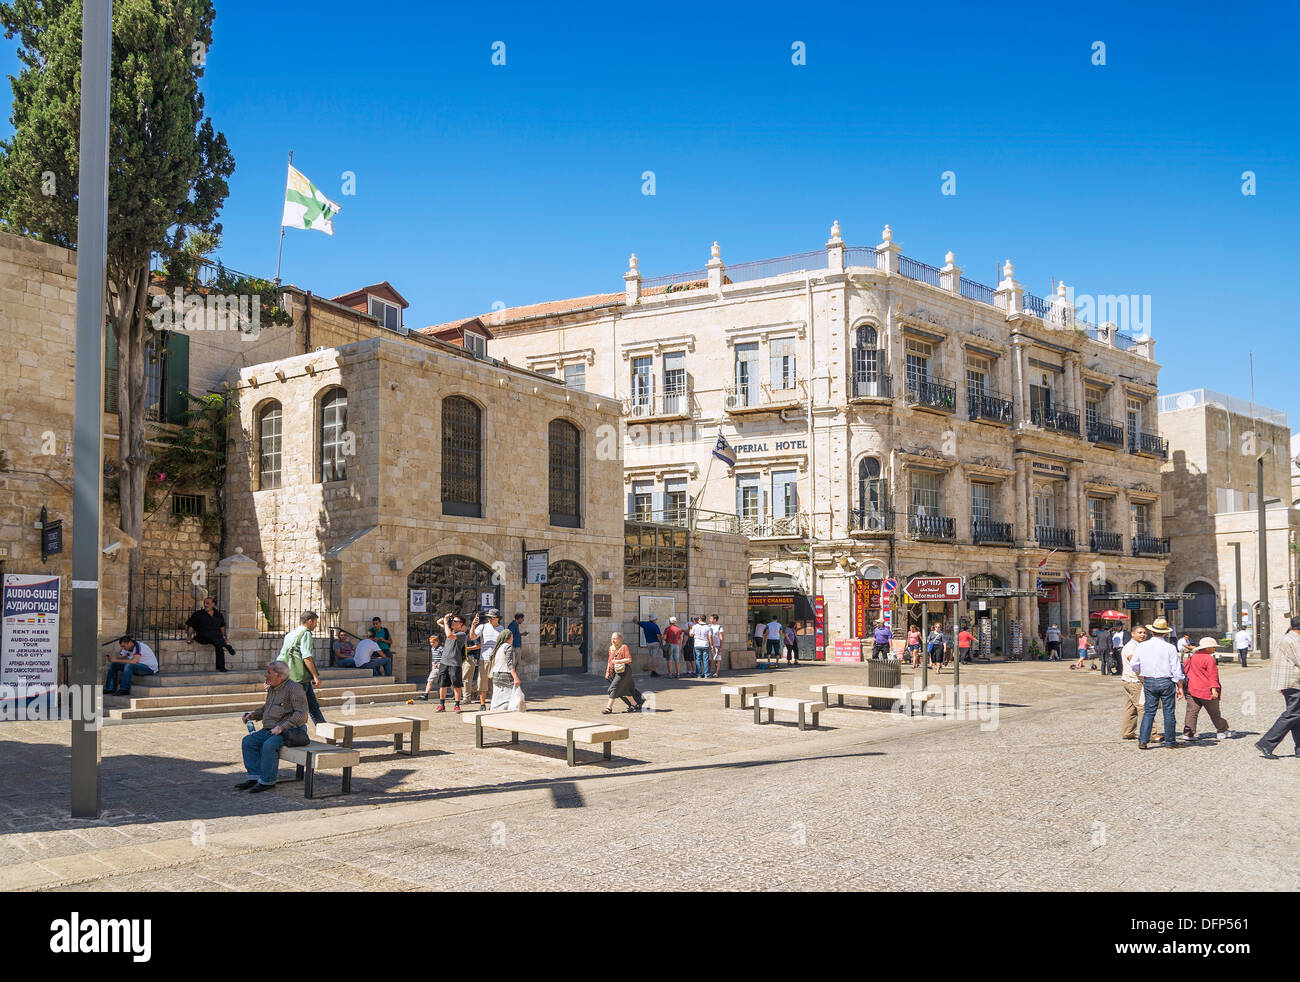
{"points": [[566, 625]]}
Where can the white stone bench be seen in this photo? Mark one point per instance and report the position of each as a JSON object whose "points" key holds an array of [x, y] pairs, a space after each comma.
{"points": [[744, 691], [571, 731], [396, 727], [908, 697], [802, 707], [314, 756]]}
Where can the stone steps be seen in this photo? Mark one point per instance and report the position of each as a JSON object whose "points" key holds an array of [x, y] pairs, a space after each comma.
{"points": [[327, 697], [173, 691], [173, 679], [226, 698]]}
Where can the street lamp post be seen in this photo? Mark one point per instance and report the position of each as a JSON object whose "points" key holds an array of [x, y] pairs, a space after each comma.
{"points": [[1263, 621], [88, 410], [1237, 598]]}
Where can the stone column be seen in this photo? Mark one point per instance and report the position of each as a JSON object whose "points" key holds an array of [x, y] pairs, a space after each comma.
{"points": [[1123, 524], [1020, 382], [240, 608], [1072, 502], [1021, 517]]}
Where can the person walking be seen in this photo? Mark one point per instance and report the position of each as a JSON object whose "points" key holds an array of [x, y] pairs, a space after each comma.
{"points": [[701, 638], [296, 652], [716, 635], [880, 639], [618, 669], [965, 644], [207, 625], [1132, 684], [505, 674], [791, 640], [1157, 663], [774, 640], [1241, 641], [435, 659], [673, 637], [1102, 643], [1203, 689], [913, 646], [1284, 676], [934, 646], [487, 634], [1053, 638]]}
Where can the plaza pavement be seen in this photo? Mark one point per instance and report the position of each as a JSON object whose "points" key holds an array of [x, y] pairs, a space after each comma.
{"points": [[698, 798]]}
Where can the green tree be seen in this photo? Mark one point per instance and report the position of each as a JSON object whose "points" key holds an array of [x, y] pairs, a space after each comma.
{"points": [[192, 457], [167, 170]]}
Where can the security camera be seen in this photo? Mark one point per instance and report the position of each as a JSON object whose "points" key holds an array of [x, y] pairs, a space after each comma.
{"points": [[111, 551]]}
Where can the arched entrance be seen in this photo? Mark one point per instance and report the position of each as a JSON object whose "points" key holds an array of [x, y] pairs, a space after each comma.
{"points": [[566, 626], [1202, 611], [451, 584]]}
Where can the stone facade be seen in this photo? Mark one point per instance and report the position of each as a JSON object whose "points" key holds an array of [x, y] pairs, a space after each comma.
{"points": [[1211, 498], [924, 409]]}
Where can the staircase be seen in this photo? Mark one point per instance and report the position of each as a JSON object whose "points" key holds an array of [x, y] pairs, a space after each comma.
{"points": [[175, 694]]}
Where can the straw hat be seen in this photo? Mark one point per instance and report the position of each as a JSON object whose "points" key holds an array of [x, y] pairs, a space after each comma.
{"points": [[1160, 626], [1207, 644]]}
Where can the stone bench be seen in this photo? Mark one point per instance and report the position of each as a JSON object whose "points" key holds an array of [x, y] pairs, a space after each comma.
{"points": [[313, 757], [744, 691], [571, 731], [802, 707], [908, 697], [396, 727]]}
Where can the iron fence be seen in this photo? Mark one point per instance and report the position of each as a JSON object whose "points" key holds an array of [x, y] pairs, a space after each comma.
{"points": [[972, 290], [1102, 541], [161, 601], [871, 520], [914, 269], [986, 530], [933, 393], [1051, 537], [871, 384], [1148, 443], [1108, 431], [764, 268], [282, 600], [988, 405], [1035, 305], [938, 527], [1056, 419], [860, 256]]}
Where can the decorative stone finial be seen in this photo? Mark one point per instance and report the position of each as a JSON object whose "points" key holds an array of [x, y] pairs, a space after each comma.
{"points": [[949, 258], [887, 235], [1008, 271], [239, 550], [835, 229], [1060, 290], [631, 263], [715, 252]]}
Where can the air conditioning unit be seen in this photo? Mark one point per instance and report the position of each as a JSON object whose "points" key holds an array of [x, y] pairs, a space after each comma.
{"points": [[734, 400]]}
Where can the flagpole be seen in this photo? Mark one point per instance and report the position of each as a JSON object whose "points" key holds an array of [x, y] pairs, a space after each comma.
{"points": [[280, 254], [704, 484]]}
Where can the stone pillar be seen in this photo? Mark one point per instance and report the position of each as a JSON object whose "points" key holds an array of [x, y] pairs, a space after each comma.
{"points": [[1062, 311], [887, 252], [632, 282], [240, 601], [1123, 525], [715, 268], [1022, 531], [1072, 503], [1009, 295], [950, 275], [835, 250], [1020, 383]]}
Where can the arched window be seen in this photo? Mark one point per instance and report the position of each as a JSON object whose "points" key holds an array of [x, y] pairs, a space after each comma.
{"points": [[333, 427], [462, 458], [565, 474], [873, 499], [1203, 610], [270, 419], [869, 380]]}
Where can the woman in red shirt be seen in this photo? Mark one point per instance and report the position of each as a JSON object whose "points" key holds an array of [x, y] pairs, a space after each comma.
{"points": [[619, 671], [965, 642], [1203, 689]]}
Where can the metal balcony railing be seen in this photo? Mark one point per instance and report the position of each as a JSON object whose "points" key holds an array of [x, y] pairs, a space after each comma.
{"points": [[1036, 306], [934, 527], [1051, 537], [1148, 443], [871, 385], [984, 530], [915, 270], [754, 398], [932, 393], [768, 527], [977, 291], [674, 403], [1105, 431], [1149, 545], [871, 520], [1105, 542], [988, 405], [1056, 419]]}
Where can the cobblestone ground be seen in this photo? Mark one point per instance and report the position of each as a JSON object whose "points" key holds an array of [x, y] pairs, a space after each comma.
{"points": [[1040, 795]]}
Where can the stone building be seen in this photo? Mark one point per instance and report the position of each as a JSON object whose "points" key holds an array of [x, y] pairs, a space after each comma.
{"points": [[889, 418], [1211, 496]]}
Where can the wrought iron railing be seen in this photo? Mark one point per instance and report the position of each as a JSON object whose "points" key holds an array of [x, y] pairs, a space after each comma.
{"points": [[872, 385], [1149, 545], [933, 393], [769, 527], [988, 405], [1148, 443], [160, 602], [764, 268], [1035, 305], [972, 290], [1105, 541], [860, 256], [984, 530], [1051, 537], [871, 520], [1108, 431], [282, 600], [693, 279], [915, 270], [670, 403], [939, 527], [1056, 419]]}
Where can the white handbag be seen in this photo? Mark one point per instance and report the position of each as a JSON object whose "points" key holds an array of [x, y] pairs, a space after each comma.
{"points": [[517, 702]]}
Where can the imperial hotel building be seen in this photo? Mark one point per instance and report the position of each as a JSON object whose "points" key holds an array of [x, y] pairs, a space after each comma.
{"points": [[890, 418]]}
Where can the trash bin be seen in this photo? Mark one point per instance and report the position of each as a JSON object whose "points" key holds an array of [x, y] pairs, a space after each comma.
{"points": [[886, 674]]}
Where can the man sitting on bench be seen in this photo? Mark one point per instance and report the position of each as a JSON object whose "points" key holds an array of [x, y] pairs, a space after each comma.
{"points": [[286, 707]]}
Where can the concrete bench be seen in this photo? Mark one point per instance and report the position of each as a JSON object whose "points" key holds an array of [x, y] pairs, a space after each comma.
{"points": [[744, 691], [571, 731], [803, 707], [396, 727], [908, 697], [314, 756]]}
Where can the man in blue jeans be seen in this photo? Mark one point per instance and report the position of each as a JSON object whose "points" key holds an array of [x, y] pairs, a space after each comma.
{"points": [[133, 658], [286, 707], [1157, 662]]}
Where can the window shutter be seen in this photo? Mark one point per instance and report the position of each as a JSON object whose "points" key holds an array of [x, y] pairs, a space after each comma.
{"points": [[631, 504], [176, 376], [657, 506]]}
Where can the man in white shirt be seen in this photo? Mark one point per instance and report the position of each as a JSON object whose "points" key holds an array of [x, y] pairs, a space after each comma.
{"points": [[133, 658], [488, 634], [774, 639], [1157, 663], [1241, 641], [1132, 685], [715, 644], [701, 638], [368, 654]]}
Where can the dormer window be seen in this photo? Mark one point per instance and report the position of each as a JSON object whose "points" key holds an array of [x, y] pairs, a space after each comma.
{"points": [[476, 344], [388, 314]]}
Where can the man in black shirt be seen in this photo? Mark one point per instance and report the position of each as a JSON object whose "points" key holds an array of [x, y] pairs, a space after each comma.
{"points": [[208, 626]]}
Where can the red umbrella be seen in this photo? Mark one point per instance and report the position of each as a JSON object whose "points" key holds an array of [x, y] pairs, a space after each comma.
{"points": [[1110, 615]]}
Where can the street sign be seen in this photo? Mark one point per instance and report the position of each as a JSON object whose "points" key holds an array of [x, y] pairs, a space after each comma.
{"points": [[1132, 604], [934, 589], [536, 565]]}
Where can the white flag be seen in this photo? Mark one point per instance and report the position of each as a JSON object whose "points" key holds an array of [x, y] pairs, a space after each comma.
{"points": [[306, 207]]}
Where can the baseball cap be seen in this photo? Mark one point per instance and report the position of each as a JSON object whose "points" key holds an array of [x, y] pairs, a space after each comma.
{"points": [[494, 613]]}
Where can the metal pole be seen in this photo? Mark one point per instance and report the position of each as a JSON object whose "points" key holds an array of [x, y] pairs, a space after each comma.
{"points": [[280, 253], [1262, 624], [1236, 611], [925, 644], [88, 413], [956, 660]]}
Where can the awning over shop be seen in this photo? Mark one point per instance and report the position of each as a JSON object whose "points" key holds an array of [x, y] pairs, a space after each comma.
{"points": [[799, 605]]}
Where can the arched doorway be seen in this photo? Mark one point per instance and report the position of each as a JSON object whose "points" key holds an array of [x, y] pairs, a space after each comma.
{"points": [[1202, 611], [451, 584], [566, 626]]}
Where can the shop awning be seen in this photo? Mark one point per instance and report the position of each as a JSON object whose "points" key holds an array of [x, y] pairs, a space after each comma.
{"points": [[799, 605]]}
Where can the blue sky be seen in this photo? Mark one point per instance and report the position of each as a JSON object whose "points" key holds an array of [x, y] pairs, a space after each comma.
{"points": [[477, 184]]}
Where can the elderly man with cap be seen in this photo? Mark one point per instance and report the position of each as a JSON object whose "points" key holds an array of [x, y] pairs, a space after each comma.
{"points": [[1156, 662], [1203, 689]]}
